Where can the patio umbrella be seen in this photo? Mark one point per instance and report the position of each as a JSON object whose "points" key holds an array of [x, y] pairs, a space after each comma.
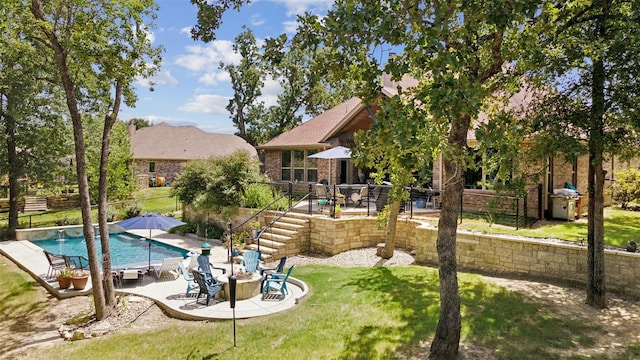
{"points": [[150, 221], [338, 152]]}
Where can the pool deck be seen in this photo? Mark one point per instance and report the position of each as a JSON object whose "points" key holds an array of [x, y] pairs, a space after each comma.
{"points": [[169, 295]]}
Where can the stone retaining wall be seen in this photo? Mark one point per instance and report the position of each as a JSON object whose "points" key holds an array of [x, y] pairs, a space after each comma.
{"points": [[489, 254], [502, 255]]}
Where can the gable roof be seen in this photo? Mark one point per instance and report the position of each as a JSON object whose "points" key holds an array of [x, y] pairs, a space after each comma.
{"points": [[166, 142], [315, 132]]}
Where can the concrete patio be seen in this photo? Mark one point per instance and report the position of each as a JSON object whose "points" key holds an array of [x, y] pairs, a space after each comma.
{"points": [[169, 295]]}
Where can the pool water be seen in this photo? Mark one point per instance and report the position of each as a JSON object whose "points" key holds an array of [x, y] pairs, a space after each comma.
{"points": [[127, 250]]}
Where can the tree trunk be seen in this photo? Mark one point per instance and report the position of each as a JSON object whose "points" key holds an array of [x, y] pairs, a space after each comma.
{"points": [[390, 238], [14, 170], [447, 338], [596, 290], [60, 55], [109, 121]]}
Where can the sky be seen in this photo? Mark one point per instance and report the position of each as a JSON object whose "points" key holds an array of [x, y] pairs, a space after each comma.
{"points": [[189, 88]]}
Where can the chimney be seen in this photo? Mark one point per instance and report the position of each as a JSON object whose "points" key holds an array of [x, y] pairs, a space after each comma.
{"points": [[132, 129]]}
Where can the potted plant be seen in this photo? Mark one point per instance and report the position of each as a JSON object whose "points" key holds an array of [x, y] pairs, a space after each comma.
{"points": [[64, 278], [337, 211], [79, 279]]}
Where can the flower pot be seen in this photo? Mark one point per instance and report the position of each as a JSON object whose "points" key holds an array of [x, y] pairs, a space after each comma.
{"points": [[79, 281], [64, 282]]}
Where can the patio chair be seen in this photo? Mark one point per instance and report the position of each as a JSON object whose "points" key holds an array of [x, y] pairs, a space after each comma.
{"points": [[205, 266], [191, 285], [169, 269], [338, 197], [56, 263], [251, 260], [357, 197], [265, 272], [76, 261], [278, 283], [209, 287]]}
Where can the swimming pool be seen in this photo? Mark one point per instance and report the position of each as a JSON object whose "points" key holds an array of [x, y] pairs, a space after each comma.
{"points": [[127, 250]]}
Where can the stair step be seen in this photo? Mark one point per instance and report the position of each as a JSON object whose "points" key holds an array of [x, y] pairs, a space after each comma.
{"points": [[274, 237], [270, 243]]}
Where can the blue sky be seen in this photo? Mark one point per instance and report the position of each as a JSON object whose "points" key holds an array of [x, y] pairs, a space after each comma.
{"points": [[190, 89]]}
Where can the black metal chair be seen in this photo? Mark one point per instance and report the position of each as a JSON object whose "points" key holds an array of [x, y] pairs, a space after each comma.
{"points": [[209, 287], [56, 263]]}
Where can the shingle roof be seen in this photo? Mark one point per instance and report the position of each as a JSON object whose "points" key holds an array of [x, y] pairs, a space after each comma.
{"points": [[166, 142], [313, 133]]}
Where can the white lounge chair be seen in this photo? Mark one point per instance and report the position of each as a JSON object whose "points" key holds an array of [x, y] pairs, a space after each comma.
{"points": [[169, 269]]}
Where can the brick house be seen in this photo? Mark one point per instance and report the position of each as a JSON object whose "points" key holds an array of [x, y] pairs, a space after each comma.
{"points": [[161, 151], [286, 157]]}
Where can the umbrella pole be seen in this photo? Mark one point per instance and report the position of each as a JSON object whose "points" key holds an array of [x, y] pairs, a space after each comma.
{"points": [[149, 255]]}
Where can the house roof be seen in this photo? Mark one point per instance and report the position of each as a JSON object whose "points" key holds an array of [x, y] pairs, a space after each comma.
{"points": [[315, 132], [166, 142]]}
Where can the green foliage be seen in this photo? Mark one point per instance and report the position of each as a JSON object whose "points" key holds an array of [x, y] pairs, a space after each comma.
{"points": [[217, 184], [132, 209], [259, 196], [201, 229], [626, 186], [68, 220], [120, 183]]}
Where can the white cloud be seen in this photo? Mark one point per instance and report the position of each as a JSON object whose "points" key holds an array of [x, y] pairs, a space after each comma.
{"points": [[290, 27], [207, 104], [298, 7], [186, 30], [207, 57], [160, 78], [257, 20], [214, 78]]}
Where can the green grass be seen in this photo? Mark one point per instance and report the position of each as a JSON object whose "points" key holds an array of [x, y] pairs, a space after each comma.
{"points": [[158, 200], [354, 313], [620, 226]]}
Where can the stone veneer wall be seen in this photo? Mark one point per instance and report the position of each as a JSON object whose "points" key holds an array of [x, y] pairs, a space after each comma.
{"points": [[490, 254], [501, 255]]}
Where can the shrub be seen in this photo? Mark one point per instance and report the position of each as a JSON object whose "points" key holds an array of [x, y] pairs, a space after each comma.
{"points": [[132, 210], [626, 187], [257, 196]]}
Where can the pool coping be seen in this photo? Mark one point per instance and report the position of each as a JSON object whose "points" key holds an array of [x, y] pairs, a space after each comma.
{"points": [[168, 295]]}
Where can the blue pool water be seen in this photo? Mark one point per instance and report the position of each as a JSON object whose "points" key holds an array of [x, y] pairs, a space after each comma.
{"points": [[127, 250]]}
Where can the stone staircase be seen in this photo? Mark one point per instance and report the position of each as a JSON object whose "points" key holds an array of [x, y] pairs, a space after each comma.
{"points": [[284, 238]]}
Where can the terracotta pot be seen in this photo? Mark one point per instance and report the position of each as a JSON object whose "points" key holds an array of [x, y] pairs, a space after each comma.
{"points": [[64, 282], [79, 282]]}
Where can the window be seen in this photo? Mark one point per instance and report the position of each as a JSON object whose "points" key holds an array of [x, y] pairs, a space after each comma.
{"points": [[482, 173], [312, 167], [286, 165], [152, 166], [297, 167]]}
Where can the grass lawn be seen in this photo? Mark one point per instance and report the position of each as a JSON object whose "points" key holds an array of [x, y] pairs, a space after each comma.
{"points": [[158, 200], [620, 226], [352, 313]]}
